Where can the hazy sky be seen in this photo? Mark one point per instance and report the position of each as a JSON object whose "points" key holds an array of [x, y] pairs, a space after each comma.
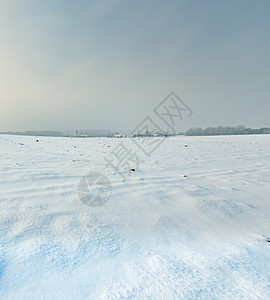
{"points": [[107, 64]]}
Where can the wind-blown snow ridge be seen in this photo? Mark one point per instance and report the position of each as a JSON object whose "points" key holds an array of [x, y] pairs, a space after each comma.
{"points": [[191, 223]]}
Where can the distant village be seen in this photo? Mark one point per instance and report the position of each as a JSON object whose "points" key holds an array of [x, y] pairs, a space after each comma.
{"points": [[147, 134], [237, 130]]}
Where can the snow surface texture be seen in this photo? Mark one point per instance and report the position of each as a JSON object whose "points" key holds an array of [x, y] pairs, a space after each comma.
{"points": [[161, 235]]}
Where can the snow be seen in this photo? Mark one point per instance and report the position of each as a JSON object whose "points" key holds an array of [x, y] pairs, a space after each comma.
{"points": [[192, 222]]}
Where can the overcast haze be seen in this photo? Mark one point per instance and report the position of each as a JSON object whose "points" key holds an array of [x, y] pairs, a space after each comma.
{"points": [[107, 64]]}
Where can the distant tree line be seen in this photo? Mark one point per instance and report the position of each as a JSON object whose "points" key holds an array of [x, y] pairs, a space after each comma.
{"points": [[36, 133], [228, 130]]}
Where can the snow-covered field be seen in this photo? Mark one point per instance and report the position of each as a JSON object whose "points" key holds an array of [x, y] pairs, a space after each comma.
{"points": [[161, 235]]}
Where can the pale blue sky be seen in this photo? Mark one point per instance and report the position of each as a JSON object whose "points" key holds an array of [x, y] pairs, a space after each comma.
{"points": [[107, 64]]}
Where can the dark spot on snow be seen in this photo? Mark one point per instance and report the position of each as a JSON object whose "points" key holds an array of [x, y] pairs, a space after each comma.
{"points": [[133, 170], [37, 141], [186, 145]]}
